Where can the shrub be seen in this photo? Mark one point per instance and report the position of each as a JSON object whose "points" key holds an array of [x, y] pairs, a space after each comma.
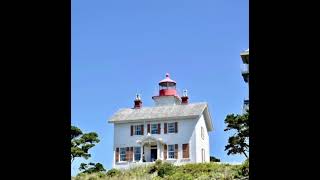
{"points": [[166, 169], [180, 176], [92, 178], [214, 159], [113, 172], [155, 167], [245, 168], [242, 170], [161, 168], [101, 174]]}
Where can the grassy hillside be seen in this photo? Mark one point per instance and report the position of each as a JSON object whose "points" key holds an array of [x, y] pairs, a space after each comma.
{"points": [[166, 171]]}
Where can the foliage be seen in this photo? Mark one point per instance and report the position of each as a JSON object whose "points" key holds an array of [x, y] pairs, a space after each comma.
{"points": [[245, 168], [155, 167], [238, 143], [113, 172], [214, 159], [166, 171], [93, 169], [81, 143], [161, 168], [180, 176]]}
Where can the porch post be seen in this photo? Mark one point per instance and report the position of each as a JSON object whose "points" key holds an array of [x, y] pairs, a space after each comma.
{"points": [[158, 150], [141, 152]]}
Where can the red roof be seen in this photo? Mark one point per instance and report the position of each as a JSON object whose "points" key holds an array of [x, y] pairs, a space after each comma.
{"points": [[167, 79]]}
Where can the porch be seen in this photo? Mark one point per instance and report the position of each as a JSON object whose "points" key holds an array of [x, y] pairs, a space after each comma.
{"points": [[151, 149]]}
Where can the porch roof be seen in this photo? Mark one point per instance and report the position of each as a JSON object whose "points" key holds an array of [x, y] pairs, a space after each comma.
{"points": [[148, 138]]}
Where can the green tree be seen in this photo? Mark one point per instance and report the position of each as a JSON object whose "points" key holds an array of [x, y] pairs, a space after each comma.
{"points": [[239, 142], [81, 143], [214, 159], [93, 169]]}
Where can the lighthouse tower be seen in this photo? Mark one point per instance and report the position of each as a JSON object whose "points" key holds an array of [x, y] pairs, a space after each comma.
{"points": [[167, 93]]}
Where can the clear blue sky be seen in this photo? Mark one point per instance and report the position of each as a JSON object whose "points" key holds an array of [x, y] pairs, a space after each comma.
{"points": [[121, 47]]}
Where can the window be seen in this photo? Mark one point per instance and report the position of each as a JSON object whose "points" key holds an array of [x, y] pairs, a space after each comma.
{"points": [[137, 130], [154, 128], [203, 155], [137, 153], [202, 133], [171, 128], [171, 151], [122, 154]]}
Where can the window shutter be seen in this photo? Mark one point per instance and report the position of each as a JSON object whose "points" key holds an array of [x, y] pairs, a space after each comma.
{"points": [[159, 128], [142, 129], [176, 151], [117, 154], [131, 130], [165, 152], [165, 128], [148, 128], [176, 126], [131, 153], [185, 148]]}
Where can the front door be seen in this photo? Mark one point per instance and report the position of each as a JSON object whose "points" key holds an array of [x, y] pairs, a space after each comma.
{"points": [[153, 155]]}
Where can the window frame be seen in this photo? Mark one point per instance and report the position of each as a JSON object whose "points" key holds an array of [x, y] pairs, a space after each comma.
{"points": [[173, 127], [202, 132], [203, 154], [135, 153], [120, 160], [156, 128], [172, 151], [135, 129]]}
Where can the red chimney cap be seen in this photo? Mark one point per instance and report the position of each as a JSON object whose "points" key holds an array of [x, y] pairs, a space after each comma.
{"points": [[167, 79]]}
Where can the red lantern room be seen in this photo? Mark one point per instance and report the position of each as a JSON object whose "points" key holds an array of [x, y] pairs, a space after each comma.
{"points": [[167, 93], [167, 87]]}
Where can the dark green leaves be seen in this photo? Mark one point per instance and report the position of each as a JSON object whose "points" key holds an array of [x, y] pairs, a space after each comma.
{"points": [[92, 169], [238, 143], [81, 143]]}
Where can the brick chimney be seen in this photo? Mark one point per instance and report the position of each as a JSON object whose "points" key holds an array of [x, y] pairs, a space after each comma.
{"points": [[184, 98], [137, 102]]}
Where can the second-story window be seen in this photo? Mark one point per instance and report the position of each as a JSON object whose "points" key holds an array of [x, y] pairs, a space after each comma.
{"points": [[171, 128], [154, 128], [138, 130], [202, 133]]}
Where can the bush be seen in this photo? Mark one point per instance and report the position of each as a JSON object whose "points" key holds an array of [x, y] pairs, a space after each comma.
{"points": [[245, 168], [214, 159], [161, 168], [155, 167], [166, 169], [180, 176], [242, 170], [113, 172], [92, 178], [101, 174]]}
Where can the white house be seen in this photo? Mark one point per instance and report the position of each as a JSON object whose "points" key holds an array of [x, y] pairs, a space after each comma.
{"points": [[174, 130]]}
